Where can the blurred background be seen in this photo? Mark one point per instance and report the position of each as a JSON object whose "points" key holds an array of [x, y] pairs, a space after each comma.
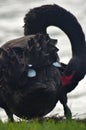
{"points": [[12, 13]]}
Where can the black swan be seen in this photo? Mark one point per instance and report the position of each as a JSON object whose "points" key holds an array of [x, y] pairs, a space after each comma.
{"points": [[38, 19], [29, 86]]}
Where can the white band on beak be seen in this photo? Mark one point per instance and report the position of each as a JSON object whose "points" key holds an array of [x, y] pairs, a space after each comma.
{"points": [[30, 65]]}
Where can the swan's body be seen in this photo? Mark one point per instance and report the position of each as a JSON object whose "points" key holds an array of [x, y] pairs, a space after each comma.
{"points": [[23, 95], [36, 96]]}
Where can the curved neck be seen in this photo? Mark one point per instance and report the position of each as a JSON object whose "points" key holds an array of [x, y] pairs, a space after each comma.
{"points": [[38, 19]]}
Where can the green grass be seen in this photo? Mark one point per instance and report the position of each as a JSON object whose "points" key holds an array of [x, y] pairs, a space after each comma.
{"points": [[44, 125]]}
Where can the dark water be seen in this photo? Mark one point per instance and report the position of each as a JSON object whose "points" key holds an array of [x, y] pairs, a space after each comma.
{"points": [[11, 26]]}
